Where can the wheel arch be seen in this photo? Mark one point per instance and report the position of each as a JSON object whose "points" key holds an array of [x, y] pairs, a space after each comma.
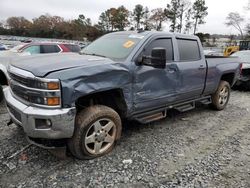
{"points": [[228, 77], [3, 78], [113, 98]]}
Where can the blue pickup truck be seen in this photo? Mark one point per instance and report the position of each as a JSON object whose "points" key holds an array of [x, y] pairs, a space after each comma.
{"points": [[80, 100]]}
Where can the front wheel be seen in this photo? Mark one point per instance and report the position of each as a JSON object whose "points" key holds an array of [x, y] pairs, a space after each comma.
{"points": [[97, 128], [221, 96]]}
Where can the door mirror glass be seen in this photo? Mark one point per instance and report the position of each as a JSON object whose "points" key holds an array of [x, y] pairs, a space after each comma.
{"points": [[156, 60], [158, 57]]}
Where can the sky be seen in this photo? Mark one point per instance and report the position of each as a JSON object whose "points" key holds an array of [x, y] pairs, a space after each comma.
{"points": [[70, 9]]}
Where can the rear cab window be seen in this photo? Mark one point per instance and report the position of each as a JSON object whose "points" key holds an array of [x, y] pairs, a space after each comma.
{"points": [[188, 50]]}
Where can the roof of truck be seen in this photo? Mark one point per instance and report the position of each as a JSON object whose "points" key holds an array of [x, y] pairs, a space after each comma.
{"points": [[150, 33]]}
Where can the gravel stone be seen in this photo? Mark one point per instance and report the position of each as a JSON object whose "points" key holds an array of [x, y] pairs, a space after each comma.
{"points": [[199, 148]]}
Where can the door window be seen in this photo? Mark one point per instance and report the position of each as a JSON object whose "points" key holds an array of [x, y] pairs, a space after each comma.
{"points": [[50, 49], [161, 43], [32, 49], [189, 50]]}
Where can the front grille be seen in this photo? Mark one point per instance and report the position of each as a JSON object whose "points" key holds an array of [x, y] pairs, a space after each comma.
{"points": [[19, 92], [29, 95], [16, 114], [29, 89], [22, 80]]}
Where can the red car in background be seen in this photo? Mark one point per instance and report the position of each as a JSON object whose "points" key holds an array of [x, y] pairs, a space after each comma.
{"points": [[32, 48], [41, 48]]}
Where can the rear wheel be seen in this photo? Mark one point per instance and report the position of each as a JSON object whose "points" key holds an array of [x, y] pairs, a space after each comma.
{"points": [[221, 96], [97, 129]]}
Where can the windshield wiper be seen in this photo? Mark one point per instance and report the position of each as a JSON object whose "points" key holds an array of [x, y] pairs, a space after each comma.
{"points": [[83, 53]]}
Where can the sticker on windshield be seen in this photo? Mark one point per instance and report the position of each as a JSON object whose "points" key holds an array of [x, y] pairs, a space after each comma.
{"points": [[128, 44], [136, 36]]}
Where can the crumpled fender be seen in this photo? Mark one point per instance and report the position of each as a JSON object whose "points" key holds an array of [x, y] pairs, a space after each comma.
{"points": [[81, 81]]}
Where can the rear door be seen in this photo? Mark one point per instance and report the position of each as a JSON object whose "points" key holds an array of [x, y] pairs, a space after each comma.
{"points": [[191, 68]]}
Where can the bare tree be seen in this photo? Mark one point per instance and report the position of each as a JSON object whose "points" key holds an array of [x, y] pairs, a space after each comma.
{"points": [[235, 19], [184, 6], [188, 21], [158, 17]]}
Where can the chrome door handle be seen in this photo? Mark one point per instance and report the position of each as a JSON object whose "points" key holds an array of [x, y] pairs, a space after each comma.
{"points": [[202, 67]]}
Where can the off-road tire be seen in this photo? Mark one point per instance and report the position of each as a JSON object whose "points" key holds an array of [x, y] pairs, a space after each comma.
{"points": [[220, 100], [83, 122]]}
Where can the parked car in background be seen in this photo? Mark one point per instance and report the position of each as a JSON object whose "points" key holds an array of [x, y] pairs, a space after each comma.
{"points": [[42, 48], [30, 49], [212, 53], [3, 47], [244, 80]]}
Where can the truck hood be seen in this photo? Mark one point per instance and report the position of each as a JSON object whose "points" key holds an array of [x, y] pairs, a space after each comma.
{"points": [[42, 65]]}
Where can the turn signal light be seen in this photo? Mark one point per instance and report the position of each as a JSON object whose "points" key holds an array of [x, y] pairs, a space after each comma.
{"points": [[53, 101], [53, 85]]}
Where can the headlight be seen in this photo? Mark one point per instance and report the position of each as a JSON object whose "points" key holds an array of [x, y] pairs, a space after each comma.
{"points": [[50, 91], [46, 84], [36, 91]]}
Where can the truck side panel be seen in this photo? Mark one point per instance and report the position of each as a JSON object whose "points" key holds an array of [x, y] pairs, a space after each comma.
{"points": [[217, 67]]}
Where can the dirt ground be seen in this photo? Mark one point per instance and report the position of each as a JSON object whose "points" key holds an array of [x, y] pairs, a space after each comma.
{"points": [[199, 148]]}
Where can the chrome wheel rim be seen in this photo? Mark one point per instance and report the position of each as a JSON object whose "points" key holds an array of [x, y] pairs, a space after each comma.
{"points": [[223, 96], [100, 136]]}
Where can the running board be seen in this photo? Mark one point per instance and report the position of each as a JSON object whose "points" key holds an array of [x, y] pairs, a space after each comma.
{"points": [[152, 117], [185, 107], [206, 101], [160, 113]]}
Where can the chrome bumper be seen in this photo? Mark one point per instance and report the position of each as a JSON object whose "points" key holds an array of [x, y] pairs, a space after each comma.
{"points": [[62, 120]]}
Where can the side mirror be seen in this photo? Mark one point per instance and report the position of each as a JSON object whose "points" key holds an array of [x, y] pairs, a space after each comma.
{"points": [[158, 57], [156, 60]]}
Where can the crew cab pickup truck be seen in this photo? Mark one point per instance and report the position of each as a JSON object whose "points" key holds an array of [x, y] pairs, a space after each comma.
{"points": [[81, 99]]}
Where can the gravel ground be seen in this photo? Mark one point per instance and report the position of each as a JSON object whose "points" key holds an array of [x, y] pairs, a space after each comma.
{"points": [[199, 148]]}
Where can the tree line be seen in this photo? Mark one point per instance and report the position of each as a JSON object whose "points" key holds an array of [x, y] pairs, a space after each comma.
{"points": [[181, 15]]}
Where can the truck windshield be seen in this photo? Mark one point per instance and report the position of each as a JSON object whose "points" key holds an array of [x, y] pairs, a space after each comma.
{"points": [[114, 46]]}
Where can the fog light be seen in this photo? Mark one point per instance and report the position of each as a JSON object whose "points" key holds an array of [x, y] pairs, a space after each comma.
{"points": [[43, 123], [53, 101]]}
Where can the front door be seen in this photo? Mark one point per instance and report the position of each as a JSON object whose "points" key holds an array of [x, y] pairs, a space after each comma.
{"points": [[154, 87]]}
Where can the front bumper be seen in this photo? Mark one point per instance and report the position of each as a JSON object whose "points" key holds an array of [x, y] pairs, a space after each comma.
{"points": [[62, 120]]}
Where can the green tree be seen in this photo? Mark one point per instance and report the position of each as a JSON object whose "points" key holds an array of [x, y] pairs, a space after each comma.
{"points": [[121, 18], [105, 21], [199, 13], [108, 20], [138, 14], [146, 19], [171, 13]]}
